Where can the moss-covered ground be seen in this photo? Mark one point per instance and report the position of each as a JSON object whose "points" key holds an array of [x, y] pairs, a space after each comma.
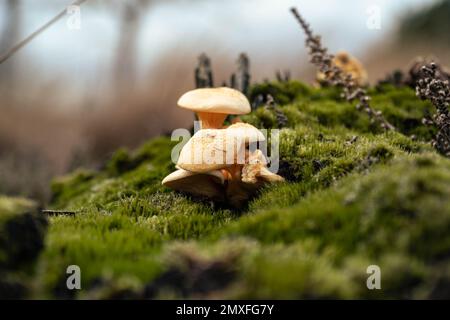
{"points": [[22, 232], [355, 196]]}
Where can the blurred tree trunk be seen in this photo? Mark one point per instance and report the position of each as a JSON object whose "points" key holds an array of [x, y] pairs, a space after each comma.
{"points": [[125, 68], [10, 35], [125, 64]]}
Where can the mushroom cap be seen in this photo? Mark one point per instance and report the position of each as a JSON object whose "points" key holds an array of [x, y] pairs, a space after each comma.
{"points": [[215, 100], [350, 65], [246, 131], [204, 152], [208, 184], [213, 149]]}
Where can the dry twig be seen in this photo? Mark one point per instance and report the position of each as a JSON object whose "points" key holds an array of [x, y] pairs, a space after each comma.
{"points": [[432, 87], [241, 79], [203, 72], [28, 39], [335, 76], [59, 212]]}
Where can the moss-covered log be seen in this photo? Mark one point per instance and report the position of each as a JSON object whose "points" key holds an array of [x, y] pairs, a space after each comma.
{"points": [[355, 196]]}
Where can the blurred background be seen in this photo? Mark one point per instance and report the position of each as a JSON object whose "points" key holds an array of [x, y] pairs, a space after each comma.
{"points": [[72, 96]]}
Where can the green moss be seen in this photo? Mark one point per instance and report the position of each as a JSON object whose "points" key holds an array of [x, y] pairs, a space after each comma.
{"points": [[402, 192], [65, 188], [354, 196], [13, 205], [304, 105], [396, 217], [22, 231], [119, 163], [282, 92]]}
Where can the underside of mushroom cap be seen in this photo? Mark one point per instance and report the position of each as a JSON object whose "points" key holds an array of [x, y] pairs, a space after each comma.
{"points": [[215, 100], [209, 184]]}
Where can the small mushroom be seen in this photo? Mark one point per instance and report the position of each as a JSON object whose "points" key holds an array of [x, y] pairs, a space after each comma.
{"points": [[213, 149], [245, 131], [209, 184], [252, 177], [256, 170], [266, 175], [216, 162], [204, 152], [214, 104], [239, 191], [350, 65]]}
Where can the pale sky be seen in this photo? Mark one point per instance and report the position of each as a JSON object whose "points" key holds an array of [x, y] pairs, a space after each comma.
{"points": [[264, 29]]}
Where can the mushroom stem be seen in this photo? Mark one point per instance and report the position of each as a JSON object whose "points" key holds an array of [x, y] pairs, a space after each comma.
{"points": [[211, 120], [234, 172], [226, 174]]}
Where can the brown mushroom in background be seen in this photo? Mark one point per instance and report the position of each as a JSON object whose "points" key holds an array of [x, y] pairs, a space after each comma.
{"points": [[349, 65], [212, 105]]}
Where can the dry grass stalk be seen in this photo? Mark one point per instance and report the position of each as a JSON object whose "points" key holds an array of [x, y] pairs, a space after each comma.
{"points": [[241, 79], [432, 87], [203, 72], [336, 77]]}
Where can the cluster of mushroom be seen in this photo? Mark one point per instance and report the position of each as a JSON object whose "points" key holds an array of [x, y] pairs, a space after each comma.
{"points": [[218, 162]]}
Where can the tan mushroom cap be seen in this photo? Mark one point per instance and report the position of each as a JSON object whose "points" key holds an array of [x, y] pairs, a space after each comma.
{"points": [[192, 156], [213, 149], [214, 104], [246, 131], [350, 65], [215, 100], [209, 184]]}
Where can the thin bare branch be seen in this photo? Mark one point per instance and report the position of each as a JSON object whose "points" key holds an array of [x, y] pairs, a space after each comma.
{"points": [[8, 54], [336, 76]]}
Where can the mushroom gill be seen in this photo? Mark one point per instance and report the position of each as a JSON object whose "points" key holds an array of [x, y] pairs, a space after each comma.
{"points": [[209, 184]]}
